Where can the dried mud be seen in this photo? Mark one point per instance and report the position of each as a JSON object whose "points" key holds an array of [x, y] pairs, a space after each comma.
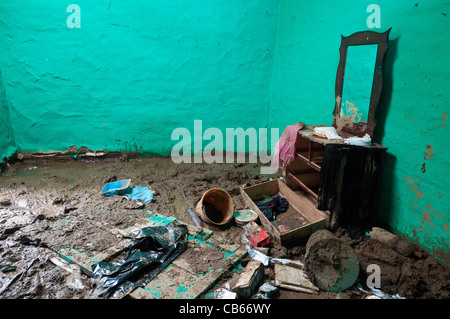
{"points": [[48, 206]]}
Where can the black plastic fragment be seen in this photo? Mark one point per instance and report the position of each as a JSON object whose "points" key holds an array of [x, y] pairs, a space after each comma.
{"points": [[152, 249]]}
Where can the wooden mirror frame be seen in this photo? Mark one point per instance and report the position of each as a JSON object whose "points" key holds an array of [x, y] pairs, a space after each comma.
{"points": [[360, 38]]}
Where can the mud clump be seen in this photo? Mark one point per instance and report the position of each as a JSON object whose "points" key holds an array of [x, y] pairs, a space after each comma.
{"points": [[415, 277]]}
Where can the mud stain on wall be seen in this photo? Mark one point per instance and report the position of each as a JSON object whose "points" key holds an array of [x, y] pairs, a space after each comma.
{"points": [[434, 212], [423, 168], [442, 125], [413, 187], [429, 152]]}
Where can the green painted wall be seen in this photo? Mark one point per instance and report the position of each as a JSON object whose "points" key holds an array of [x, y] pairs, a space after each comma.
{"points": [[413, 111], [7, 144], [135, 70]]}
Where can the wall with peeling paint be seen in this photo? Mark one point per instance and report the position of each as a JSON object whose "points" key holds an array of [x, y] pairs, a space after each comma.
{"points": [[7, 144], [134, 71], [412, 117]]}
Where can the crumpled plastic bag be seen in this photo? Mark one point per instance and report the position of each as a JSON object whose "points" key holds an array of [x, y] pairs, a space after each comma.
{"points": [[141, 193], [355, 140], [152, 249]]}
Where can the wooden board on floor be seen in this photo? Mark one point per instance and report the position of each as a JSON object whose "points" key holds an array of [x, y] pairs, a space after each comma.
{"points": [[185, 277]]}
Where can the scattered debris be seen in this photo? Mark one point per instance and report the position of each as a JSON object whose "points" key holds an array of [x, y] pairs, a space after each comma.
{"points": [[95, 154], [16, 277], [245, 216], [270, 261], [124, 187], [73, 280], [299, 220], [141, 193], [117, 187], [355, 140], [5, 202], [215, 207], [9, 268], [328, 132], [249, 280], [378, 294], [267, 291], [257, 236], [273, 206], [65, 210], [194, 217], [225, 293]]}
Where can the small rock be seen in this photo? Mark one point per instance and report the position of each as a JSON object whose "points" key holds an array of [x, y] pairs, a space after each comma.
{"points": [[58, 201], [392, 241], [5, 202], [111, 179], [69, 209]]}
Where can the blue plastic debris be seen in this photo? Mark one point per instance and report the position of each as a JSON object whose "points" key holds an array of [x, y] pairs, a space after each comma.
{"points": [[116, 188], [141, 193], [124, 187]]}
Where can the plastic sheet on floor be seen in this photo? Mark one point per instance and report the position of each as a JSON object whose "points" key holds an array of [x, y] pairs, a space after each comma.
{"points": [[152, 249]]}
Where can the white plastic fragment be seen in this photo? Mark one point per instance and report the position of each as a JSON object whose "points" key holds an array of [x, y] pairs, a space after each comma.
{"points": [[268, 289], [378, 294], [256, 255], [266, 260], [73, 279], [225, 293], [355, 140]]}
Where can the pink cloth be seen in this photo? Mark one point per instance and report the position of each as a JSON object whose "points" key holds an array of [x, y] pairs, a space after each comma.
{"points": [[285, 147]]}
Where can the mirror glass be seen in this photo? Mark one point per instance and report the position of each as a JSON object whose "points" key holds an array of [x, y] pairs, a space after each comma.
{"points": [[358, 79]]}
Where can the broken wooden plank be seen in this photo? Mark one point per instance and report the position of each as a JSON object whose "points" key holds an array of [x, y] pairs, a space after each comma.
{"points": [[249, 280], [179, 279], [74, 256], [86, 261], [172, 283], [294, 279], [182, 279], [176, 282]]}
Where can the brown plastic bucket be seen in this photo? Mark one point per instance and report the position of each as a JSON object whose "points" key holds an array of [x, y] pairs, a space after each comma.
{"points": [[215, 207]]}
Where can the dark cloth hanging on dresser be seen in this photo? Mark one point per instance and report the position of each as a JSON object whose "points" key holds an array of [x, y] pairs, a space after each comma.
{"points": [[350, 178]]}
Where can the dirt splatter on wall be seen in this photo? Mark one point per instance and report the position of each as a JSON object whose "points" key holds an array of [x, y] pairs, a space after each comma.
{"points": [[429, 152]]}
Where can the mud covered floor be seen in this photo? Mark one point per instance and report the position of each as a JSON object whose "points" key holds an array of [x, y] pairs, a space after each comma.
{"points": [[48, 206]]}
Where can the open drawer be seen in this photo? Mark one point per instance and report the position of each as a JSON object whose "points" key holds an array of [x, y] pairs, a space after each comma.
{"points": [[302, 217]]}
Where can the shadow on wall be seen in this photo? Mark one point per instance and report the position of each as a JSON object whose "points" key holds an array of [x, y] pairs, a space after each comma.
{"points": [[386, 93], [386, 196], [7, 142], [387, 176]]}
